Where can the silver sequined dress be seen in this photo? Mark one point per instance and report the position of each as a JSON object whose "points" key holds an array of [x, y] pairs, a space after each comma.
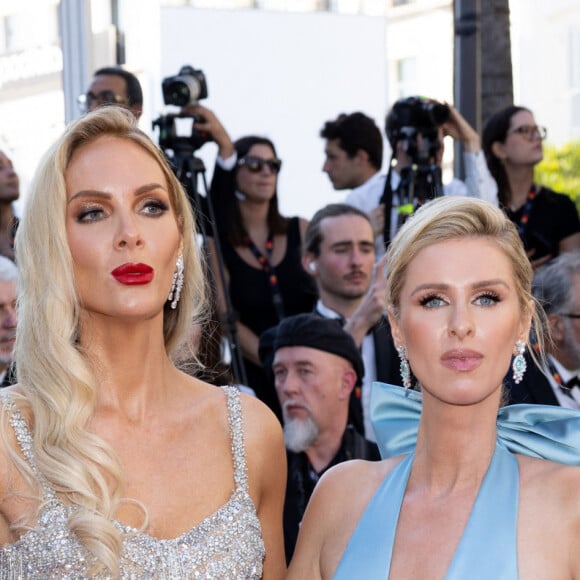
{"points": [[226, 545]]}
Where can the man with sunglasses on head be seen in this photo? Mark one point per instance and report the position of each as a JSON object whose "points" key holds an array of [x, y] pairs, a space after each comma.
{"points": [[113, 86]]}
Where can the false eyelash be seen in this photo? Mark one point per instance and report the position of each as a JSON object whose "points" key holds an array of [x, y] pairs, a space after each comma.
{"points": [[427, 298]]}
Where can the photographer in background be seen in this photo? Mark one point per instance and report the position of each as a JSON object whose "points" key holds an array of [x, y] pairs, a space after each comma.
{"points": [[415, 128], [264, 280]]}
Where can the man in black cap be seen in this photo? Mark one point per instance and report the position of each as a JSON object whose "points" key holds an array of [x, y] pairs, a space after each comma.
{"points": [[316, 365]]}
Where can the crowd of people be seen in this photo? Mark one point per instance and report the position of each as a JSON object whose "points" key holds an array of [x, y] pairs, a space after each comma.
{"points": [[342, 396]]}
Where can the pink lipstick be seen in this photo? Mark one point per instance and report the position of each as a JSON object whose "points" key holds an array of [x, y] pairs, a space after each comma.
{"points": [[461, 360], [133, 274]]}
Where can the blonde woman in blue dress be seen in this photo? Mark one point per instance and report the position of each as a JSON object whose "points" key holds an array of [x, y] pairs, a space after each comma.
{"points": [[464, 490], [114, 463]]}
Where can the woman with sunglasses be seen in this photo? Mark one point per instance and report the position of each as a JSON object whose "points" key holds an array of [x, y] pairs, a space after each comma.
{"points": [[261, 248], [547, 221]]}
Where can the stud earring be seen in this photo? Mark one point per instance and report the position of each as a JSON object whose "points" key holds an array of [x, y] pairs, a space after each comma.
{"points": [[404, 368], [519, 364], [177, 283]]}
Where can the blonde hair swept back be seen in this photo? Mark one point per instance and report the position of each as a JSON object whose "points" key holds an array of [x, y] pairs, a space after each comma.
{"points": [[451, 218], [55, 377]]}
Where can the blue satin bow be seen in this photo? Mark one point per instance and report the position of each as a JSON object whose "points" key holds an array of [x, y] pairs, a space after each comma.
{"points": [[544, 431]]}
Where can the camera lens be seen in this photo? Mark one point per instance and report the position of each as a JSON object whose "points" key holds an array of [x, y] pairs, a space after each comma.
{"points": [[177, 93], [439, 113]]}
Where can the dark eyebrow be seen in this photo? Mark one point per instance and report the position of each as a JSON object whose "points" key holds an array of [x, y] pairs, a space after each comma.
{"points": [[351, 243], [476, 286], [342, 243], [297, 363], [104, 195]]}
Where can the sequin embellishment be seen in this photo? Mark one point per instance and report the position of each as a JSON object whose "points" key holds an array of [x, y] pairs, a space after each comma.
{"points": [[226, 545]]}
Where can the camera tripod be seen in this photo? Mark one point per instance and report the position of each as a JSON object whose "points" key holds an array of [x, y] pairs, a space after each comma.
{"points": [[419, 183], [189, 169]]}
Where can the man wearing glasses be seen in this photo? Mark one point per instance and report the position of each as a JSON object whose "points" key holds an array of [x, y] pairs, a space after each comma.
{"points": [[113, 86], [557, 287]]}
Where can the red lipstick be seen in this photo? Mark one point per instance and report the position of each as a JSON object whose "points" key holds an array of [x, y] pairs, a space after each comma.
{"points": [[133, 274]]}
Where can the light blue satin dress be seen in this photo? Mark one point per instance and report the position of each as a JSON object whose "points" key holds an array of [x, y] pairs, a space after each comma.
{"points": [[487, 549]]}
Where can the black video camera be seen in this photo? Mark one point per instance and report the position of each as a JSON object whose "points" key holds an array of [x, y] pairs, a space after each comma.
{"points": [[186, 88], [177, 132], [415, 116], [415, 122]]}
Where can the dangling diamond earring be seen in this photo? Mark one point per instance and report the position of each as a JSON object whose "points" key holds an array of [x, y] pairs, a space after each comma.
{"points": [[404, 367], [177, 283], [519, 364]]}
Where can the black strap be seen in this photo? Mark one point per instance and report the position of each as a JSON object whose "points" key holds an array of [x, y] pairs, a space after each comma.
{"points": [[270, 270]]}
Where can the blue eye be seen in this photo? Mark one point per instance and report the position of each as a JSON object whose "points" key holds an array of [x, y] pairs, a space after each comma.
{"points": [[487, 299], [88, 215], [431, 301], [155, 207]]}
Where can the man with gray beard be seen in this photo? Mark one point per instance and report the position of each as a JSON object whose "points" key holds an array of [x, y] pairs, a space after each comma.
{"points": [[316, 365], [556, 286]]}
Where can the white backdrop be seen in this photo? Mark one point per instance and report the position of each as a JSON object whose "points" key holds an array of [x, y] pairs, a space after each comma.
{"points": [[281, 75]]}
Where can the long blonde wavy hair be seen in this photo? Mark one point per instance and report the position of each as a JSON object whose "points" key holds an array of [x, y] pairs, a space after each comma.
{"points": [[55, 377]]}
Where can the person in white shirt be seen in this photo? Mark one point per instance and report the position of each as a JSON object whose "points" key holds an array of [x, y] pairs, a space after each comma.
{"points": [[351, 163]]}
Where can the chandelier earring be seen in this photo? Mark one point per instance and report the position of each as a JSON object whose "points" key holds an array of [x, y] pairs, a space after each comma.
{"points": [[177, 283], [519, 364], [404, 368]]}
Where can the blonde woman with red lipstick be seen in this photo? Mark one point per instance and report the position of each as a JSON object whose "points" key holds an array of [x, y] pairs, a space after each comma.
{"points": [[113, 463], [466, 489]]}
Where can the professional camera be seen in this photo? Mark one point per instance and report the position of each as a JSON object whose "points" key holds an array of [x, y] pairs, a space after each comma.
{"points": [[415, 122], [177, 132], [415, 116], [187, 88]]}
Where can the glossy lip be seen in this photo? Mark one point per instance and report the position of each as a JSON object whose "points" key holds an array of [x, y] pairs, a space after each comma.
{"points": [[131, 274], [462, 360]]}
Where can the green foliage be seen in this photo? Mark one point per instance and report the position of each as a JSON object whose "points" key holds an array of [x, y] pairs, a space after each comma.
{"points": [[560, 170]]}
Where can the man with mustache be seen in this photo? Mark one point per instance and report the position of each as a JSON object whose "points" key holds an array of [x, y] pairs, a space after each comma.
{"points": [[8, 290], [339, 253], [316, 365]]}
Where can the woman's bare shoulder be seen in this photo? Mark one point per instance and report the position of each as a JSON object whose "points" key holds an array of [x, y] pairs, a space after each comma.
{"points": [[550, 488], [10, 479], [549, 518], [262, 427], [364, 476], [538, 472], [338, 502]]}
